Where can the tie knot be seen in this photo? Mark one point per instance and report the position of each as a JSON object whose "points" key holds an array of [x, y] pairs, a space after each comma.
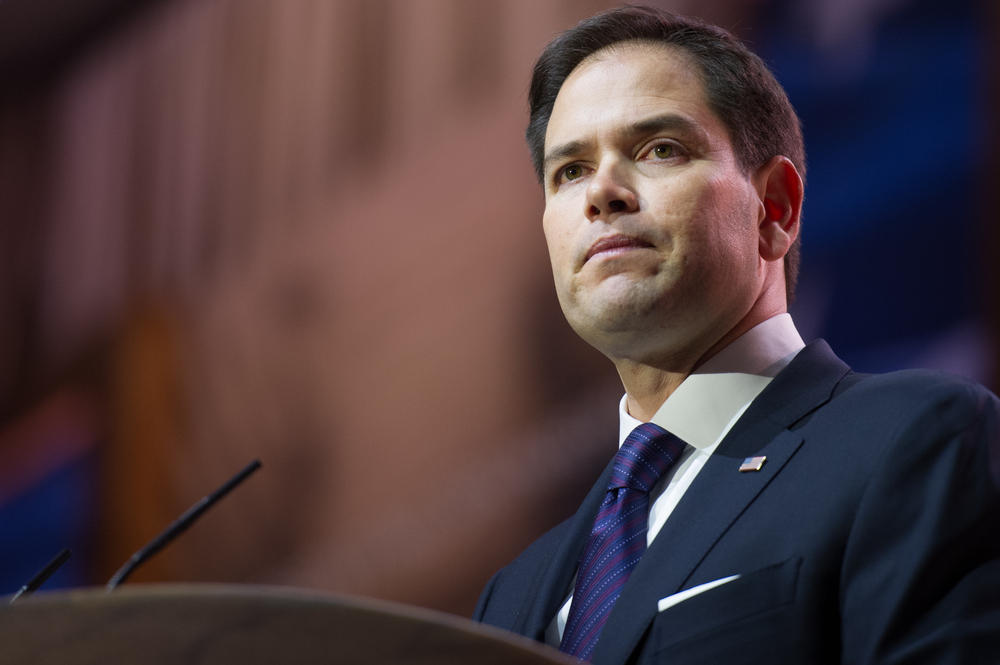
{"points": [[645, 456]]}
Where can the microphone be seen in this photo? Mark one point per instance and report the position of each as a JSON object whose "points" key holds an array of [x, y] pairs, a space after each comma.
{"points": [[41, 576], [178, 526]]}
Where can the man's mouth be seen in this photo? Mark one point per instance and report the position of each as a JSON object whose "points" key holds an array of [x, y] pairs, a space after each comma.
{"points": [[613, 243]]}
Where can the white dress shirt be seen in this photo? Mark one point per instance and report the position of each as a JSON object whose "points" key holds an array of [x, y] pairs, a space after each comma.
{"points": [[701, 411]]}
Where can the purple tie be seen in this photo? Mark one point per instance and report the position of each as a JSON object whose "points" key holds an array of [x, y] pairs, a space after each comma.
{"points": [[618, 539]]}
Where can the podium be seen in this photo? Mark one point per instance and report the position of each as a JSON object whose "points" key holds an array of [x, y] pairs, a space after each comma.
{"points": [[194, 624]]}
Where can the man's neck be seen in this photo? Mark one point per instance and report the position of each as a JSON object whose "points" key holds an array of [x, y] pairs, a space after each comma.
{"points": [[648, 385]]}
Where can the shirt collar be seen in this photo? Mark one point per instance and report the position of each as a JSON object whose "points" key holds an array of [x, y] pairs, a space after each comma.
{"points": [[709, 401]]}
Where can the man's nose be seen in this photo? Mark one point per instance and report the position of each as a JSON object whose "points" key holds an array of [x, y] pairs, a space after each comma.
{"points": [[610, 192]]}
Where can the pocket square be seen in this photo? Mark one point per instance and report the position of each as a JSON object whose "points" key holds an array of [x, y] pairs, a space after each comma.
{"points": [[681, 596]]}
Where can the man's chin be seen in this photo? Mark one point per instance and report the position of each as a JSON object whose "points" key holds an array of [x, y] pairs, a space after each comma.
{"points": [[617, 330], [618, 307]]}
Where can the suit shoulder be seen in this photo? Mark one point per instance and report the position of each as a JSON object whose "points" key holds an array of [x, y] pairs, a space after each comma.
{"points": [[906, 393], [923, 527], [898, 422], [879, 419]]}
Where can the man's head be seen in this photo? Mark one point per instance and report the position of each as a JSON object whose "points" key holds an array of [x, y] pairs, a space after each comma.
{"points": [[739, 88], [669, 210]]}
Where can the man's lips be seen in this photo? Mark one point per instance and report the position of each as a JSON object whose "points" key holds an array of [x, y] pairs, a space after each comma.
{"points": [[610, 243]]}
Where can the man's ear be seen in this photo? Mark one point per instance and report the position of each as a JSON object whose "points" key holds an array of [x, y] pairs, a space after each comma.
{"points": [[779, 188]]}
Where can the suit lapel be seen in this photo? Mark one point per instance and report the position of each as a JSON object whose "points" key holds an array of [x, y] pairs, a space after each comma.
{"points": [[720, 494], [553, 583]]}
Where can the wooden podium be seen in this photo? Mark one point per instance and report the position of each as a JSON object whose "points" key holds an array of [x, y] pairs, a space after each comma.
{"points": [[194, 624]]}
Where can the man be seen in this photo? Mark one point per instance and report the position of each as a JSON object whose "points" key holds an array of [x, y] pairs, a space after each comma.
{"points": [[768, 505]]}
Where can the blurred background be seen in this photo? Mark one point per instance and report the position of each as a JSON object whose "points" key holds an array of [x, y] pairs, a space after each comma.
{"points": [[308, 231]]}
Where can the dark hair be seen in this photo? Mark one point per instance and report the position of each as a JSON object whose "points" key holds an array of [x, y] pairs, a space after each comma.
{"points": [[739, 87]]}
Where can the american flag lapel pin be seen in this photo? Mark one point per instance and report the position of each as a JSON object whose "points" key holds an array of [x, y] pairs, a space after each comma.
{"points": [[753, 463]]}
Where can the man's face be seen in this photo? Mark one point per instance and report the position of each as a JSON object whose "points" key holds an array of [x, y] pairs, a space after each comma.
{"points": [[651, 224]]}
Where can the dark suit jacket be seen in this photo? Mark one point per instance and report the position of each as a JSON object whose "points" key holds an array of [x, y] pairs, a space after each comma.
{"points": [[871, 534]]}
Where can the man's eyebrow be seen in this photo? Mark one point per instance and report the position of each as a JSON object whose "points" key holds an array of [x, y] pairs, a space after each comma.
{"points": [[659, 123], [560, 152], [666, 122]]}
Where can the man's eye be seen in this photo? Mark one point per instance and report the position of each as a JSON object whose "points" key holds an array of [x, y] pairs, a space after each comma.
{"points": [[572, 172], [664, 151]]}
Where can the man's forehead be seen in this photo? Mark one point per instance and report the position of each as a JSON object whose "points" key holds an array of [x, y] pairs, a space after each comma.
{"points": [[623, 85]]}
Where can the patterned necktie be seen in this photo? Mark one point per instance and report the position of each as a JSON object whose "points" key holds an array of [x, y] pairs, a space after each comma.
{"points": [[618, 539]]}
